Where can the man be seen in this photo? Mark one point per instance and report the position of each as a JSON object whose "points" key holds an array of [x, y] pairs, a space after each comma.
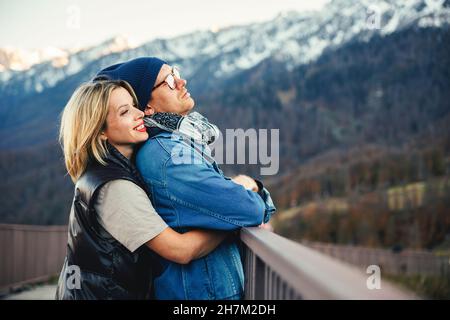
{"points": [[194, 193]]}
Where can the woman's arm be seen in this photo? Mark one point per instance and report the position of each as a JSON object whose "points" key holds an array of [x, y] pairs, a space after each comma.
{"points": [[125, 211], [184, 247]]}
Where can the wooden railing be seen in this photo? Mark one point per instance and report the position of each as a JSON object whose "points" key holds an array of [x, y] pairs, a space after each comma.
{"points": [[30, 254], [275, 267], [404, 262], [278, 268]]}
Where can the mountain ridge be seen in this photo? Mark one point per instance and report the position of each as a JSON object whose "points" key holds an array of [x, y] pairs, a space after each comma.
{"points": [[385, 91], [294, 38]]}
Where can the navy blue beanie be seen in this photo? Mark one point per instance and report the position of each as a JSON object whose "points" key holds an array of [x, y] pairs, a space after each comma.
{"points": [[140, 73]]}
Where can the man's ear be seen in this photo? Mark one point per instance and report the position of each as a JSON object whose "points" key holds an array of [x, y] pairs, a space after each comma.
{"points": [[149, 110]]}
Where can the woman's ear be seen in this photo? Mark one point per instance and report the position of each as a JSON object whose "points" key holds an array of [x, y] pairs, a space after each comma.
{"points": [[149, 110], [103, 136]]}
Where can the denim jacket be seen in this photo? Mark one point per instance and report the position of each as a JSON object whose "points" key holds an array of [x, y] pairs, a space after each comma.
{"points": [[190, 191]]}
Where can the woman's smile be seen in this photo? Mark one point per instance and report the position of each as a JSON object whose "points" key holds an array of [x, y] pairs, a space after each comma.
{"points": [[140, 128]]}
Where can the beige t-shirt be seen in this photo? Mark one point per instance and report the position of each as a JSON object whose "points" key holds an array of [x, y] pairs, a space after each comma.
{"points": [[126, 212]]}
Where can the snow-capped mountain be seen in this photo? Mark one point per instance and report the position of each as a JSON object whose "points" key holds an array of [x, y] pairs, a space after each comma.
{"points": [[364, 74], [292, 38], [56, 63], [21, 59], [13, 59]]}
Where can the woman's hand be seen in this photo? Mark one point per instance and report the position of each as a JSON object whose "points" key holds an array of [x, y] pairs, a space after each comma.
{"points": [[246, 182], [267, 226]]}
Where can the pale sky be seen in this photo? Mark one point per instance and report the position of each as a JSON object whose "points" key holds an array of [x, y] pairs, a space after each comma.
{"points": [[34, 24]]}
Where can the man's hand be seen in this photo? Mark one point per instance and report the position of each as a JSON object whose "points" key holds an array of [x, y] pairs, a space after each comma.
{"points": [[246, 181]]}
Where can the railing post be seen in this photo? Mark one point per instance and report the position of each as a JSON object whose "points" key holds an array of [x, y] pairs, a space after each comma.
{"points": [[259, 279]]}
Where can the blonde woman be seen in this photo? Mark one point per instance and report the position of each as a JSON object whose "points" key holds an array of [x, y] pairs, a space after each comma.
{"points": [[114, 231]]}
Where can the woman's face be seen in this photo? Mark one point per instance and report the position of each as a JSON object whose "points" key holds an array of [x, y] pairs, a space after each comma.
{"points": [[124, 123]]}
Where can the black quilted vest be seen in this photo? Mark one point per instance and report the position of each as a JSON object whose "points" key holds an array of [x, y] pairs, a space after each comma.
{"points": [[107, 270]]}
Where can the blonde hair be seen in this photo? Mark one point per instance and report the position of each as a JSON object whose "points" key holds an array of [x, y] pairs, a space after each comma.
{"points": [[82, 122]]}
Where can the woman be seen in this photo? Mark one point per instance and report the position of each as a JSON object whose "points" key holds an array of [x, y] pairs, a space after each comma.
{"points": [[112, 223]]}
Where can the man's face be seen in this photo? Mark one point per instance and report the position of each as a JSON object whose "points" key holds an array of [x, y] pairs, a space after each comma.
{"points": [[164, 99]]}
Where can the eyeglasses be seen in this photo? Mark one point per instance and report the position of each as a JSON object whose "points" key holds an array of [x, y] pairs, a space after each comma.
{"points": [[170, 79]]}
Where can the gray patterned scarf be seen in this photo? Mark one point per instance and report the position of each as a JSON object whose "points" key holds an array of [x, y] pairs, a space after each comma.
{"points": [[192, 126]]}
